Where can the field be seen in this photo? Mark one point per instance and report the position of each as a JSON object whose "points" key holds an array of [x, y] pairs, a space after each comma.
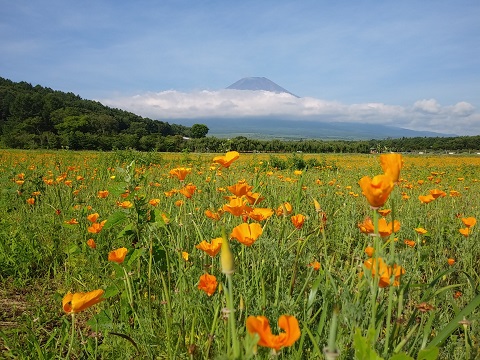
{"points": [[126, 255]]}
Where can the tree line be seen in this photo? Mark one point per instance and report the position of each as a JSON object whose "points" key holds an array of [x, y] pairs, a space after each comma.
{"points": [[36, 117]]}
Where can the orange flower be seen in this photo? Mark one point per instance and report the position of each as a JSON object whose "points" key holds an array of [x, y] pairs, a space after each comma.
{"points": [[72, 221], [247, 234], [226, 160], [154, 202], [93, 217], [102, 194], [421, 231], [409, 243], [260, 214], [259, 325], [188, 191], [96, 227], [118, 255], [212, 248], [180, 173], [385, 272], [31, 201], [436, 193], [376, 190], [236, 207], [391, 165], [369, 251], [384, 212], [240, 188], [425, 199], [212, 215], [469, 222], [91, 244], [298, 220], [465, 232], [454, 193], [185, 255], [179, 203], [74, 303], [208, 283], [284, 208], [125, 204], [385, 229], [315, 265], [451, 261], [367, 226], [253, 198]]}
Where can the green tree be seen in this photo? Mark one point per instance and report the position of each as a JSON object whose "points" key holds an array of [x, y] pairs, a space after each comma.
{"points": [[199, 131]]}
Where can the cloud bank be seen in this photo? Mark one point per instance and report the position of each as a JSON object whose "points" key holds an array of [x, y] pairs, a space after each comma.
{"points": [[426, 114]]}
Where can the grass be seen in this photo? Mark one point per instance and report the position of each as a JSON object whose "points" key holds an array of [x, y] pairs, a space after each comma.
{"points": [[152, 305]]}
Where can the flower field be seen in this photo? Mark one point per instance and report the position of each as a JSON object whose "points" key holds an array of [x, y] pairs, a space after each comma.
{"points": [[125, 255]]}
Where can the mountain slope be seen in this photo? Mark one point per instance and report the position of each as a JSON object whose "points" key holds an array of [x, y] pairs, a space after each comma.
{"points": [[258, 83]]}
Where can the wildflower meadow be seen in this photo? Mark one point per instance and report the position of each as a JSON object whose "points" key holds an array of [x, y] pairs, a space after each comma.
{"points": [[131, 255]]}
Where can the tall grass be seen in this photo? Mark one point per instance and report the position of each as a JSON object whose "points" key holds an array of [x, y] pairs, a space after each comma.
{"points": [[152, 305]]}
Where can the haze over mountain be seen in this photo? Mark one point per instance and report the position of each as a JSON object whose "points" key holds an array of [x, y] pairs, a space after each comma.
{"points": [[258, 83]]}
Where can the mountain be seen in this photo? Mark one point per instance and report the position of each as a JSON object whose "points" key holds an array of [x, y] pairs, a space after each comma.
{"points": [[277, 128], [258, 83]]}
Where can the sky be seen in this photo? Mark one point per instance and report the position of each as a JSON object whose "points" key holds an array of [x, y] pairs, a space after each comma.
{"points": [[413, 64]]}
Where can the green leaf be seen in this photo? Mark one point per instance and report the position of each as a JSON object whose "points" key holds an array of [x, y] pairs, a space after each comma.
{"points": [[114, 219], [401, 356], [101, 321], [135, 255], [110, 291], [428, 354], [72, 250], [363, 349]]}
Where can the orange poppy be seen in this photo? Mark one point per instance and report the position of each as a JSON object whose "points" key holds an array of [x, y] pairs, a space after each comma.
{"points": [[31, 201], [74, 303], [154, 202], [451, 261], [188, 190], [247, 234], [385, 272], [102, 194], [227, 159], [185, 255], [208, 283], [465, 232], [118, 255], [384, 212], [367, 226], [72, 221], [421, 231], [91, 244], [391, 165], [212, 215], [315, 265], [298, 220], [212, 248], [409, 243], [454, 193], [260, 214], [93, 217], [385, 229], [376, 190], [253, 198], [236, 207], [284, 208], [180, 173], [369, 251], [260, 325], [96, 227], [125, 204], [469, 222], [436, 193], [240, 188], [425, 199]]}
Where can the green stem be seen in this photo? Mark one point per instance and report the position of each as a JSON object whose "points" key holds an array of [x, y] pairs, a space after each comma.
{"points": [[375, 269], [231, 319], [72, 337]]}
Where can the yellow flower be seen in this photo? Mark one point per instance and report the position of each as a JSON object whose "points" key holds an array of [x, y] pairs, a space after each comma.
{"points": [[421, 231], [74, 303]]}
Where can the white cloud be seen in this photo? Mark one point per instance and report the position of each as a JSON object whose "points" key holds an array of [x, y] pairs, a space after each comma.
{"points": [[170, 105]]}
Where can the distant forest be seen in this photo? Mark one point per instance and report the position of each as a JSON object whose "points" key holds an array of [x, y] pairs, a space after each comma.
{"points": [[36, 117]]}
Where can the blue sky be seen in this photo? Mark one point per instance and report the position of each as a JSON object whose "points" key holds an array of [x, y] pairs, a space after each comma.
{"points": [[414, 64]]}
